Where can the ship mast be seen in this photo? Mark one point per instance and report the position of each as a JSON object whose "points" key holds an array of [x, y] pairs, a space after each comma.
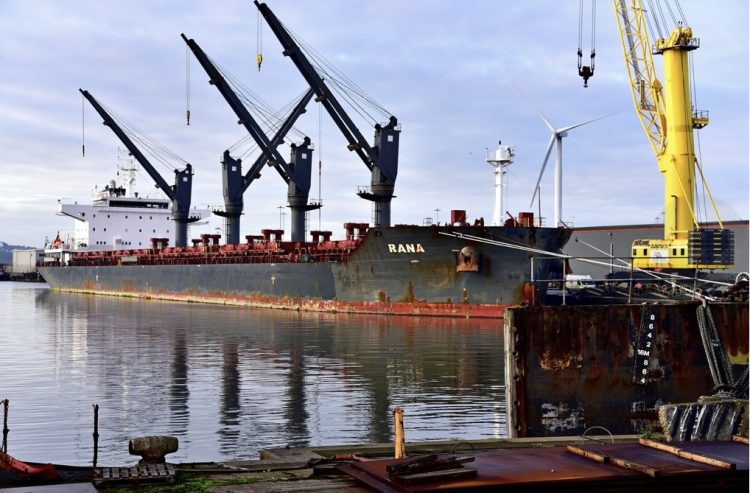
{"points": [[127, 167], [499, 159]]}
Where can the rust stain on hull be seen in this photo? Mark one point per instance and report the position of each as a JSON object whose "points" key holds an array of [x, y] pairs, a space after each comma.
{"points": [[384, 307]]}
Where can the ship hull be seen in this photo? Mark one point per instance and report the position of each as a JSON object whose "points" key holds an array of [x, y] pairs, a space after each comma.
{"points": [[408, 270]]}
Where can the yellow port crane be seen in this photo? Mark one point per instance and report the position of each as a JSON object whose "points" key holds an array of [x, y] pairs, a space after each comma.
{"points": [[668, 118]]}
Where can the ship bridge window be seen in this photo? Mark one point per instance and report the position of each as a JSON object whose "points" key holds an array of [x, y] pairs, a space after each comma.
{"points": [[83, 214], [682, 252], [645, 252]]}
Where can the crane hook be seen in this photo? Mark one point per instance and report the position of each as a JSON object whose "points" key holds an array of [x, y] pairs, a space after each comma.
{"points": [[259, 40], [586, 71]]}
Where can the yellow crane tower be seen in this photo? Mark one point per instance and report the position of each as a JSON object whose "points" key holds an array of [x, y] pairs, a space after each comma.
{"points": [[668, 118]]}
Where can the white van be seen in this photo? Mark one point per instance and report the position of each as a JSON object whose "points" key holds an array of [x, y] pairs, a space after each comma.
{"points": [[579, 281]]}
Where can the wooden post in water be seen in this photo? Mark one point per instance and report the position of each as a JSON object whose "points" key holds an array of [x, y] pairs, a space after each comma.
{"points": [[398, 424], [96, 432], [4, 447]]}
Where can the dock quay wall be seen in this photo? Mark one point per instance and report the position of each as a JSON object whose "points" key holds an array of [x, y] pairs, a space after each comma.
{"points": [[571, 368]]}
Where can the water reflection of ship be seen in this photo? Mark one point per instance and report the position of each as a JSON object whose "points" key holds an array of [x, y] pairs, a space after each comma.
{"points": [[282, 375], [230, 410], [179, 391]]}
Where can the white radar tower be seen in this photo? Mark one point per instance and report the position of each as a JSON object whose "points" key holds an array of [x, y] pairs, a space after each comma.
{"points": [[499, 159]]}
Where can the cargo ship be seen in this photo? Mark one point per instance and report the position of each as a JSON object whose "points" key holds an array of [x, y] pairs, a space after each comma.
{"points": [[455, 269]]}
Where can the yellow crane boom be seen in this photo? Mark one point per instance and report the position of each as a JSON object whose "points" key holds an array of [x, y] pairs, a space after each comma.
{"points": [[668, 118]]}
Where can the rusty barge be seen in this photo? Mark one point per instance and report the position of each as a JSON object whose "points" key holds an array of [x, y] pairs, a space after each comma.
{"points": [[411, 270]]}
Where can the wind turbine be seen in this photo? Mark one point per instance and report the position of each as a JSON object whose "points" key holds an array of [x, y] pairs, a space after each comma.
{"points": [[556, 138]]}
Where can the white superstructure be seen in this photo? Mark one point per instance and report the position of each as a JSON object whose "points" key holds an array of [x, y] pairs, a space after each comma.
{"points": [[119, 219]]}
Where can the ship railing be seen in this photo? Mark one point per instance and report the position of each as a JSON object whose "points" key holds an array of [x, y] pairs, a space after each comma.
{"points": [[624, 281]]}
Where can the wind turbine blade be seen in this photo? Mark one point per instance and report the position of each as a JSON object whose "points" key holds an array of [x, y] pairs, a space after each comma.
{"points": [[571, 127], [544, 165], [547, 122]]}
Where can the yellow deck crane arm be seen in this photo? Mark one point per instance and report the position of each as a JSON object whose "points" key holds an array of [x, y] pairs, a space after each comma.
{"points": [[668, 119]]}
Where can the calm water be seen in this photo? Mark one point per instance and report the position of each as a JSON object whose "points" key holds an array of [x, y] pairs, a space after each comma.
{"points": [[230, 381]]}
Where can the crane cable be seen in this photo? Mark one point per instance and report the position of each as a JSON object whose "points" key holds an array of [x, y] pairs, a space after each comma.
{"points": [[350, 92], [187, 84], [699, 153], [320, 164], [259, 41], [706, 191], [146, 144], [586, 71], [83, 126]]}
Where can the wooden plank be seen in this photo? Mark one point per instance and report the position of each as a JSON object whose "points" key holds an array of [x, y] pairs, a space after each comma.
{"points": [[588, 454], [740, 439], [635, 466], [685, 454], [606, 459]]}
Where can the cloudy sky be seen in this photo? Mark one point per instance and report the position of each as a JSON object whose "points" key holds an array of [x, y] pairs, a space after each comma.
{"points": [[447, 70]]}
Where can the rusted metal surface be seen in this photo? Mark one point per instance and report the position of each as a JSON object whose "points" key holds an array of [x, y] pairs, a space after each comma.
{"points": [[726, 318], [596, 467], [697, 457], [688, 454], [571, 368]]}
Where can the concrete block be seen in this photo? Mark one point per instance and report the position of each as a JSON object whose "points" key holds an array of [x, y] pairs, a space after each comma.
{"points": [[152, 449]]}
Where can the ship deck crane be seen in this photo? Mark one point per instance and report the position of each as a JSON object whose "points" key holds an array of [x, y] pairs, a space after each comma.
{"points": [[667, 115], [297, 173], [179, 193], [235, 184], [381, 158]]}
